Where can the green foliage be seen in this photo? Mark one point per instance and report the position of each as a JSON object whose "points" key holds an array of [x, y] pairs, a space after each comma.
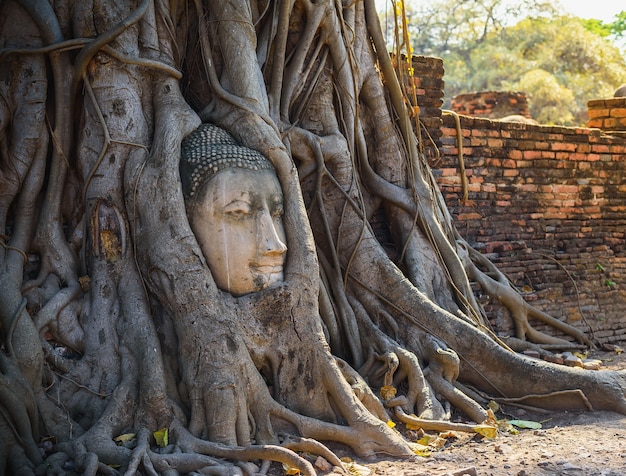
{"points": [[551, 103], [443, 27], [597, 27], [577, 66], [560, 62], [618, 27]]}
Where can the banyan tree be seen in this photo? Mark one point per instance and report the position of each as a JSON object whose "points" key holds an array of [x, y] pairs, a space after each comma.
{"points": [[145, 148]]}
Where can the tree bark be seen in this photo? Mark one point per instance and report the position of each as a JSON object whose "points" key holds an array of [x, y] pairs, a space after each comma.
{"points": [[112, 323]]}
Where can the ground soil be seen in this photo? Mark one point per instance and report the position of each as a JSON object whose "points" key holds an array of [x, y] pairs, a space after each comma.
{"points": [[568, 444], [576, 444]]}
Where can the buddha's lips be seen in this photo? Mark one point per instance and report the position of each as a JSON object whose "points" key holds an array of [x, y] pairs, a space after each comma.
{"points": [[267, 269]]}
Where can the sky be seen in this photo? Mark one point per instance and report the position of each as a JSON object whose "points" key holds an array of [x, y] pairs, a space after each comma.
{"points": [[603, 10]]}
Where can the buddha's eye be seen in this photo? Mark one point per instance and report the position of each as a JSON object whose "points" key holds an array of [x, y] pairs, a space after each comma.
{"points": [[237, 214], [237, 210]]}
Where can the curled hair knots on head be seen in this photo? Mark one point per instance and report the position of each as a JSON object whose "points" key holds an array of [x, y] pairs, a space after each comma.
{"points": [[207, 151]]}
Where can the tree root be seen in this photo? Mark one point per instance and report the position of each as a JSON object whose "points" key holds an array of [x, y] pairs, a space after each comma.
{"points": [[438, 425], [496, 285], [189, 443], [18, 409], [307, 445], [399, 364], [576, 397]]}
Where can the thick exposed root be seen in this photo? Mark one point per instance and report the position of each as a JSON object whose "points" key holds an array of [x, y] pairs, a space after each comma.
{"points": [[154, 343], [495, 284], [441, 426], [188, 443]]}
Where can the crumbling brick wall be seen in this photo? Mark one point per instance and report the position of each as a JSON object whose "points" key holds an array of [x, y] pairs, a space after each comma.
{"points": [[491, 104], [548, 205], [607, 114], [428, 82]]}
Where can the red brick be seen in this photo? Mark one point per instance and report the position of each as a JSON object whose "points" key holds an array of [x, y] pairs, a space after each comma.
{"points": [[528, 187], [565, 188], [448, 172], [617, 112], [594, 113], [531, 154], [595, 123], [496, 143], [563, 146]]}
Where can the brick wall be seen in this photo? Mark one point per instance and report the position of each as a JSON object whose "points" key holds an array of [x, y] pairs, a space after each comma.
{"points": [[491, 104], [548, 205], [607, 114], [429, 87]]}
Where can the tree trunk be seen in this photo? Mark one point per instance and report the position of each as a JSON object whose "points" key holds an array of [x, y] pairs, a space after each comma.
{"points": [[112, 322]]}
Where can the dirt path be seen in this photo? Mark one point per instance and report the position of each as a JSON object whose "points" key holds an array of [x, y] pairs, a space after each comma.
{"points": [[569, 443], [576, 444]]}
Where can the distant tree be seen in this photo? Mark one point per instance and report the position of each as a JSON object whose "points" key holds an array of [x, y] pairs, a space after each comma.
{"points": [[576, 59], [448, 27], [615, 30], [118, 335], [551, 102], [581, 64], [618, 27]]}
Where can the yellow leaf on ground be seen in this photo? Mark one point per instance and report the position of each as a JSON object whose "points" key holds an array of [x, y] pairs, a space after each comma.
{"points": [[412, 426], [424, 440], [437, 443], [487, 431], [420, 450], [125, 438], [505, 426], [161, 436], [290, 469], [390, 424], [356, 469], [491, 419]]}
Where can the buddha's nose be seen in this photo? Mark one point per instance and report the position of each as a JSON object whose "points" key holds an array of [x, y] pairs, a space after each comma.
{"points": [[271, 235]]}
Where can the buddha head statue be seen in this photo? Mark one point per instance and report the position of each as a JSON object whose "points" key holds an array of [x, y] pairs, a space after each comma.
{"points": [[234, 204]]}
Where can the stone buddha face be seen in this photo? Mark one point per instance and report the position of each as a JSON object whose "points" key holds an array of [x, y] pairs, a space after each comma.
{"points": [[238, 224], [235, 211]]}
